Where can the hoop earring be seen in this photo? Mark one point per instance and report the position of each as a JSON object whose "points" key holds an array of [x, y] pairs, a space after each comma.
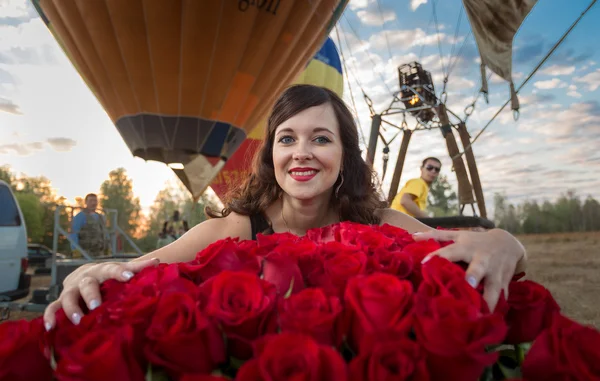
{"points": [[337, 189]]}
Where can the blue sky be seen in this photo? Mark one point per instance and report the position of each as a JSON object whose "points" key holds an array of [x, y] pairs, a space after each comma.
{"points": [[51, 125]]}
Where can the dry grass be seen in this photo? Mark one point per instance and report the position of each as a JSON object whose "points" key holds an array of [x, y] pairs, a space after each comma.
{"points": [[567, 264]]}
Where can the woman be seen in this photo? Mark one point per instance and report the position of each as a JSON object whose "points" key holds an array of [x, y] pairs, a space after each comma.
{"points": [[309, 173]]}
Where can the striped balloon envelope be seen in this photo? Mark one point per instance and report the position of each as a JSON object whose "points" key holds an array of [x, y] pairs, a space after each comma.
{"points": [[185, 81], [325, 69]]}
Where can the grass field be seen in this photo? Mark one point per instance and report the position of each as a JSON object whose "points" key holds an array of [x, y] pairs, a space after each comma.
{"points": [[567, 264]]}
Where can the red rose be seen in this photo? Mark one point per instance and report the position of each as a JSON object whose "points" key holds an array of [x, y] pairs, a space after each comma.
{"points": [[349, 231], [202, 377], [293, 356], [442, 277], [101, 354], [390, 360], [313, 313], [66, 334], [340, 263], [324, 234], [531, 308], [565, 351], [418, 251], [181, 339], [222, 255], [269, 242], [377, 305], [283, 271], [371, 240], [162, 279], [391, 262], [21, 356], [400, 236], [455, 335], [244, 305]]}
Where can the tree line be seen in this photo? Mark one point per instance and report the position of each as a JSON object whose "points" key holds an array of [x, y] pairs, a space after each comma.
{"points": [[568, 213], [38, 201]]}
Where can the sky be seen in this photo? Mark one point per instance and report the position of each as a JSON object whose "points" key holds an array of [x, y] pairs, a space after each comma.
{"points": [[51, 124]]}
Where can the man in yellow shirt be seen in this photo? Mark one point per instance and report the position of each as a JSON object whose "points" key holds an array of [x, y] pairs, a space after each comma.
{"points": [[412, 198]]}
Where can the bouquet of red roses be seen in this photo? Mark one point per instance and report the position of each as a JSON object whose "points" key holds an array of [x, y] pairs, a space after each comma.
{"points": [[345, 302]]}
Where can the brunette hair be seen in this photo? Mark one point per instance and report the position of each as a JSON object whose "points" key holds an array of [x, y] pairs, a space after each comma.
{"points": [[431, 158], [357, 198]]}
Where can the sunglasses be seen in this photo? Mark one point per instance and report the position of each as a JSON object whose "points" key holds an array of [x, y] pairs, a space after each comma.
{"points": [[432, 168]]}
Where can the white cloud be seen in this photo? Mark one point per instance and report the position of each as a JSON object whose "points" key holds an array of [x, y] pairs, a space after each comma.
{"points": [[13, 8], [61, 144], [553, 83], [574, 94], [359, 4], [21, 149], [414, 4], [591, 79], [58, 144], [8, 106], [559, 70], [375, 18]]}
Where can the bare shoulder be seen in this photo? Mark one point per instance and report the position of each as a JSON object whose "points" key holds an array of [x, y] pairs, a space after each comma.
{"points": [[401, 220], [202, 235]]}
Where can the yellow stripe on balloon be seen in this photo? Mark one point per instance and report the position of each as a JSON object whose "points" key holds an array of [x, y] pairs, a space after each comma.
{"points": [[316, 73]]}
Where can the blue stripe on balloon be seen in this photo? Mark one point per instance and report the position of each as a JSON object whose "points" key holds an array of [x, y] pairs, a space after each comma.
{"points": [[328, 54]]}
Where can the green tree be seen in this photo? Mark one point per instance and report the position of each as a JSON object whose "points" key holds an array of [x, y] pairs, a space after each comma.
{"points": [[442, 199], [173, 197], [117, 193], [506, 216], [591, 214], [6, 175], [33, 213]]}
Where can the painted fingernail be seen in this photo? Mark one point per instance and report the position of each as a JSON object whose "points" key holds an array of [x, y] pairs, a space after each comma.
{"points": [[94, 304], [472, 281], [47, 326], [76, 318], [127, 275]]}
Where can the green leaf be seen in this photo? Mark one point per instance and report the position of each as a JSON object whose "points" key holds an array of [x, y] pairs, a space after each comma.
{"points": [[488, 374], [522, 350], [289, 291], [52, 359], [510, 373], [156, 374], [218, 373], [235, 362]]}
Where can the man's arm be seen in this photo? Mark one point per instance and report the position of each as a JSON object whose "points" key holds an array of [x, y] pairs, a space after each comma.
{"points": [[408, 202], [76, 226]]}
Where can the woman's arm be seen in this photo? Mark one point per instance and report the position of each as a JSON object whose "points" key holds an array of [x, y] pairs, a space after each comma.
{"points": [[200, 236], [85, 281], [401, 220]]}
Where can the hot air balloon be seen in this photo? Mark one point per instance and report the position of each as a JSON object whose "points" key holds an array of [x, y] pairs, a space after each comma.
{"points": [[325, 69], [184, 81]]}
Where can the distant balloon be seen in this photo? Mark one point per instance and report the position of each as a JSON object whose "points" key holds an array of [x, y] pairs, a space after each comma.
{"points": [[325, 69], [184, 81]]}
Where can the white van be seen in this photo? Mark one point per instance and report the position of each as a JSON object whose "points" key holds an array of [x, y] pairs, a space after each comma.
{"points": [[14, 282]]}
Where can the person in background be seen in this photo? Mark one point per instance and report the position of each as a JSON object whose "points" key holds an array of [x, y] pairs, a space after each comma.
{"points": [[88, 229], [174, 227], [412, 198]]}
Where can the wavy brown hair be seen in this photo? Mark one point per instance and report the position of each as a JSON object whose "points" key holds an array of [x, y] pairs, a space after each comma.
{"points": [[357, 198]]}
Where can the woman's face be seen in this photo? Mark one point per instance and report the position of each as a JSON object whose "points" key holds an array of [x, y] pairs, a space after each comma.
{"points": [[307, 153]]}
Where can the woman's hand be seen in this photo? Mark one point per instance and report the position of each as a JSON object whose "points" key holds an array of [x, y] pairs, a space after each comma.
{"points": [[493, 256], [85, 282]]}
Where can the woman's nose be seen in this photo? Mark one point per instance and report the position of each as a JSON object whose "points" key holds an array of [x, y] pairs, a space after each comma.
{"points": [[302, 155]]}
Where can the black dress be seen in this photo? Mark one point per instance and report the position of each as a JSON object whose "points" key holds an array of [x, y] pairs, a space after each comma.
{"points": [[259, 224]]}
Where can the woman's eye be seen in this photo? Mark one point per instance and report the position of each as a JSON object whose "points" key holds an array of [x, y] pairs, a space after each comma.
{"points": [[322, 140], [286, 140]]}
